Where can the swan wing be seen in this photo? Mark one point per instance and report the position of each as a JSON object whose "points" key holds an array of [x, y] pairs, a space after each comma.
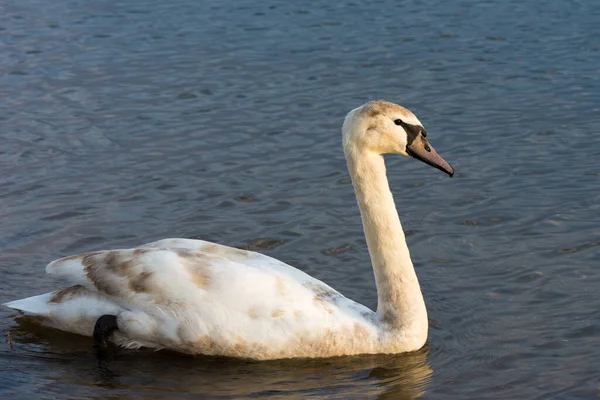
{"points": [[200, 297]]}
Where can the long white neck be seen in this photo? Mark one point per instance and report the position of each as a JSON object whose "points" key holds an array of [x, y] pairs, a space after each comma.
{"points": [[400, 308]]}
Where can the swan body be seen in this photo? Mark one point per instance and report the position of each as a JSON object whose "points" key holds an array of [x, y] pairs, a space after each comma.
{"points": [[198, 297]]}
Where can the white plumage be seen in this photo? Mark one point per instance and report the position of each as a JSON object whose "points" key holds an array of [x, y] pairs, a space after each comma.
{"points": [[199, 297]]}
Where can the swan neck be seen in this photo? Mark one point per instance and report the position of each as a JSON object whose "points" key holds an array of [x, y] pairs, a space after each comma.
{"points": [[400, 303]]}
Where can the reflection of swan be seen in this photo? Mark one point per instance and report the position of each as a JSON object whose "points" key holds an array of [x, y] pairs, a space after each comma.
{"points": [[202, 298], [65, 362]]}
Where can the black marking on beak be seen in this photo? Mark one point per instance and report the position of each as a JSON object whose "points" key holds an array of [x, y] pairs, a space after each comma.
{"points": [[418, 147], [412, 131]]}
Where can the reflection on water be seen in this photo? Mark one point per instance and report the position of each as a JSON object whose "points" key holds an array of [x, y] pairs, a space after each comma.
{"points": [[71, 362]]}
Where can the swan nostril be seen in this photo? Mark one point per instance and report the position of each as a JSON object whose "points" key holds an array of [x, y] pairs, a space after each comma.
{"points": [[427, 148]]}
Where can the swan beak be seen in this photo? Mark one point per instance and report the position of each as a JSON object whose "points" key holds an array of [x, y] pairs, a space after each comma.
{"points": [[422, 150]]}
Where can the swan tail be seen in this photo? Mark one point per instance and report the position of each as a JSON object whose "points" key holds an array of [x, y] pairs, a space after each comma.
{"points": [[35, 305], [74, 309]]}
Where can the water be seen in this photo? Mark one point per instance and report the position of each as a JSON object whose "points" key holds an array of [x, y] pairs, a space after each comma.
{"points": [[125, 122]]}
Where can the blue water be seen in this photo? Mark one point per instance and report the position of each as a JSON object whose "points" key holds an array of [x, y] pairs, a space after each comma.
{"points": [[122, 122]]}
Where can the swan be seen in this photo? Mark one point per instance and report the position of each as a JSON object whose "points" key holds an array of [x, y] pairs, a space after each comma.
{"points": [[198, 297]]}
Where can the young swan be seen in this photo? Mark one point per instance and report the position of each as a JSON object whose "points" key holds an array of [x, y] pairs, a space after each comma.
{"points": [[198, 297]]}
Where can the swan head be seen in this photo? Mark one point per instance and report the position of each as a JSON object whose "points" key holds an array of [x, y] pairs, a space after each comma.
{"points": [[383, 127]]}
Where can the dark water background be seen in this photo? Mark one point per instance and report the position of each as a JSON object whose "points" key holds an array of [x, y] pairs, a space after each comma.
{"points": [[123, 122]]}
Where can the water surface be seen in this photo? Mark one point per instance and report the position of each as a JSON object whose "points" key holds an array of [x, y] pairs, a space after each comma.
{"points": [[125, 122]]}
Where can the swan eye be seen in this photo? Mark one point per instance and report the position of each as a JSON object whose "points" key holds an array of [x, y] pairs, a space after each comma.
{"points": [[398, 122]]}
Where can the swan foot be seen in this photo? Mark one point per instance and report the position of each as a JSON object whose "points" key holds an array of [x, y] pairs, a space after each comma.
{"points": [[105, 326]]}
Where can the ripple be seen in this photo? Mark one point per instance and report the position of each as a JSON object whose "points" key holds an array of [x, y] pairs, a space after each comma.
{"points": [[262, 244], [337, 250], [199, 119]]}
